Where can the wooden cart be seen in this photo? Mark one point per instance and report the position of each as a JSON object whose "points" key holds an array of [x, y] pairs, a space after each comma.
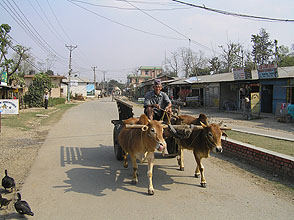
{"points": [[125, 111]]}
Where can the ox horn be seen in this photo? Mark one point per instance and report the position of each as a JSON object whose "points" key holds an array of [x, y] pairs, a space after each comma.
{"points": [[202, 124], [225, 128]]}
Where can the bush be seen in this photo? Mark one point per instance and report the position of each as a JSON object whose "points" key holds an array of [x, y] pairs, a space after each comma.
{"points": [[56, 101], [35, 95]]}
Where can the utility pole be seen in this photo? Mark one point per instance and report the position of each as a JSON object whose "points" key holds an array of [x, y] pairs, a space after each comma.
{"points": [[94, 69], [104, 72], [71, 48]]}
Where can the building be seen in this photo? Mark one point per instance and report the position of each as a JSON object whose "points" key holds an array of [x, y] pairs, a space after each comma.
{"points": [[56, 80], [144, 73], [79, 86], [226, 91]]}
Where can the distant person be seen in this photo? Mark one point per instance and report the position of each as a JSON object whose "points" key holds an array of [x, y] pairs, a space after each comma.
{"points": [[46, 99], [157, 102]]}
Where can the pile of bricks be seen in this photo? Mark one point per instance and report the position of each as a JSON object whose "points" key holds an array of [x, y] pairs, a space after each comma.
{"points": [[277, 163]]}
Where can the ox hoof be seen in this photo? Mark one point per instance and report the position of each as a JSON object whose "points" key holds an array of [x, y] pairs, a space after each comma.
{"points": [[182, 168], [134, 182], [126, 165], [197, 175], [203, 185], [151, 192]]}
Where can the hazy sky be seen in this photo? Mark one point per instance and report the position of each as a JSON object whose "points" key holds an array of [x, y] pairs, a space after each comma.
{"points": [[113, 36]]}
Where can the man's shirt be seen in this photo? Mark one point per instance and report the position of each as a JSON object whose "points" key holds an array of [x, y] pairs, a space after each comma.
{"points": [[161, 99]]}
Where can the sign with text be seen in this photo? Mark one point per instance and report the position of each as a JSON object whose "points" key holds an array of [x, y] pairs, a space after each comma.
{"points": [[3, 78], [9, 106], [267, 71], [242, 73]]}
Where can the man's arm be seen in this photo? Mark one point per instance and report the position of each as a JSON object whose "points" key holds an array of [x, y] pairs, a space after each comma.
{"points": [[167, 100]]}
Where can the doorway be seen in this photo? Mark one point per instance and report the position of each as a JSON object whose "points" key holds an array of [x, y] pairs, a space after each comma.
{"points": [[267, 98]]}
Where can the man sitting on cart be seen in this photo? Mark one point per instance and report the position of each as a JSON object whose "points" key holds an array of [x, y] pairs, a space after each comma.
{"points": [[157, 103]]}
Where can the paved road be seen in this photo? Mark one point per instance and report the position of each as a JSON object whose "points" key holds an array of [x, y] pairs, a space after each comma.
{"points": [[76, 176]]}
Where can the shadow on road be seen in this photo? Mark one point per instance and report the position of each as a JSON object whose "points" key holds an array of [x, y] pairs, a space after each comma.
{"points": [[101, 171]]}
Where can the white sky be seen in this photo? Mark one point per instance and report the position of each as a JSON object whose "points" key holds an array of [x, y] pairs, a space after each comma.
{"points": [[118, 49]]}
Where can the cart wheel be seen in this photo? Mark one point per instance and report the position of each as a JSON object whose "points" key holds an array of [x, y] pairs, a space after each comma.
{"points": [[118, 152], [172, 147]]}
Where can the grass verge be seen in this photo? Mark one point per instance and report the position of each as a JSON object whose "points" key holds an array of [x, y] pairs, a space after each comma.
{"points": [[280, 146], [28, 118]]}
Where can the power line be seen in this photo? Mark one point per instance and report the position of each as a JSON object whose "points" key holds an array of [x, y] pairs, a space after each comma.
{"points": [[63, 30], [37, 31], [24, 27], [188, 38], [234, 14], [51, 27], [127, 26], [58, 22], [36, 37], [130, 9]]}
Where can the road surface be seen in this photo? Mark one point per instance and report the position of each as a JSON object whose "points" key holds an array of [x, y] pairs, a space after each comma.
{"points": [[76, 176]]}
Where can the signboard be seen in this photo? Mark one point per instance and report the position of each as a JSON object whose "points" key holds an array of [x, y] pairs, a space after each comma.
{"points": [[9, 106], [90, 90], [242, 74], [255, 103], [3, 78], [267, 71]]}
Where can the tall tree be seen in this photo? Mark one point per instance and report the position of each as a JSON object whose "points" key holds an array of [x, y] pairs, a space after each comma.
{"points": [[261, 48], [8, 64], [232, 55], [199, 65], [173, 64], [215, 65], [187, 59]]}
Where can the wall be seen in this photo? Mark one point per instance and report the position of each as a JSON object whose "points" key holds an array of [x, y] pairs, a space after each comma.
{"points": [[212, 95], [280, 164], [229, 97], [279, 92]]}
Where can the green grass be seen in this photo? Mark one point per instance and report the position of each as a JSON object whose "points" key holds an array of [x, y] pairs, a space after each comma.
{"points": [[27, 119], [280, 146]]}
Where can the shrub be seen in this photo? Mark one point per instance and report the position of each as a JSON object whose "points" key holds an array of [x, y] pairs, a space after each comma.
{"points": [[56, 101]]}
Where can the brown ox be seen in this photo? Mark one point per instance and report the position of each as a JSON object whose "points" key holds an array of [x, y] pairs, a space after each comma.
{"points": [[141, 144], [201, 141]]}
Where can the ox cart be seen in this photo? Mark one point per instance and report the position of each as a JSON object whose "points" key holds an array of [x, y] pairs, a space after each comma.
{"points": [[125, 111]]}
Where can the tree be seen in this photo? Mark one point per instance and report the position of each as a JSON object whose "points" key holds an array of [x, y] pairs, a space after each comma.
{"points": [[261, 48], [283, 56], [187, 59], [35, 94], [215, 65], [173, 64], [8, 64], [232, 55], [199, 65]]}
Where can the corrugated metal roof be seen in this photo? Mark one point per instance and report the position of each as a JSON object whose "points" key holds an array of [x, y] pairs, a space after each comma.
{"points": [[79, 80], [283, 72]]}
